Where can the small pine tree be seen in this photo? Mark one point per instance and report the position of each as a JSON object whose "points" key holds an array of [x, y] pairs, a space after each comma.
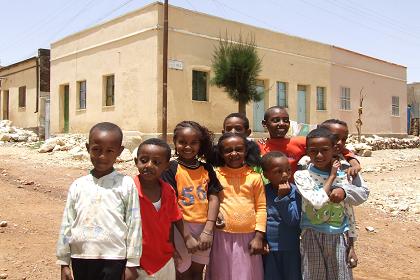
{"points": [[236, 66]]}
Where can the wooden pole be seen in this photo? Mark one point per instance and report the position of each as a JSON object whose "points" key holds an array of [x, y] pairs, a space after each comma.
{"points": [[165, 73]]}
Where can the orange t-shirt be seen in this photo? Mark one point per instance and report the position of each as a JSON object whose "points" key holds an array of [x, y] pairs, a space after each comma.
{"points": [[192, 187]]}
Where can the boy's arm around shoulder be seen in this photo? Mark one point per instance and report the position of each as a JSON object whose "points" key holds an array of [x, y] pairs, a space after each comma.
{"points": [[357, 192], [317, 197], [133, 221], [63, 247], [290, 206]]}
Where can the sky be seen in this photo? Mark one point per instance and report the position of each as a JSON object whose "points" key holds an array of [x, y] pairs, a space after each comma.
{"points": [[385, 29]]}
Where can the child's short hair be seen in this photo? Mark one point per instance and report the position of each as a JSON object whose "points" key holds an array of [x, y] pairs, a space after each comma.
{"points": [[107, 126], [252, 156], [239, 116], [267, 112], [206, 137], [268, 156], [321, 132], [156, 142], [332, 121]]}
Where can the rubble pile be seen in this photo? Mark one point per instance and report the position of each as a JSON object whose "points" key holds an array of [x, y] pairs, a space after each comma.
{"points": [[75, 146], [9, 133], [374, 143]]}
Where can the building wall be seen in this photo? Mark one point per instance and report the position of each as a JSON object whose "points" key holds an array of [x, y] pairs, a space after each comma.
{"points": [[380, 81], [131, 48], [15, 76], [125, 47], [413, 99], [193, 38]]}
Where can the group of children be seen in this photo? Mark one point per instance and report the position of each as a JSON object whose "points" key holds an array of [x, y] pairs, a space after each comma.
{"points": [[236, 210]]}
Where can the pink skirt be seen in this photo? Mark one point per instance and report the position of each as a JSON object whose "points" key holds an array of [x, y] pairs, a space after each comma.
{"points": [[230, 258]]}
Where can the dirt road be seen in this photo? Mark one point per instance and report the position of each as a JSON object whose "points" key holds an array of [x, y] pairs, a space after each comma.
{"points": [[33, 188]]}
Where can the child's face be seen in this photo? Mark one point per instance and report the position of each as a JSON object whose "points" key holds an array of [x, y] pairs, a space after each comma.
{"points": [[277, 123], [278, 170], [234, 152], [152, 160], [321, 152], [104, 147], [341, 132], [187, 144], [236, 125]]}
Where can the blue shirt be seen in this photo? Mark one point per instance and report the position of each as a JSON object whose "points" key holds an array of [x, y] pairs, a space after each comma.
{"points": [[283, 217]]}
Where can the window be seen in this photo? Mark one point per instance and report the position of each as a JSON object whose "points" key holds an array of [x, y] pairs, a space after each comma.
{"points": [[320, 99], [82, 94], [199, 86], [345, 99], [396, 106], [282, 94], [22, 97], [109, 90]]}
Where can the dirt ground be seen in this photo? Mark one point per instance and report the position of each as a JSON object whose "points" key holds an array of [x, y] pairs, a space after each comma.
{"points": [[33, 189]]}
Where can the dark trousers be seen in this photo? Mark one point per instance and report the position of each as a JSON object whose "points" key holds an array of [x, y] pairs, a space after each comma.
{"points": [[96, 269], [282, 265]]}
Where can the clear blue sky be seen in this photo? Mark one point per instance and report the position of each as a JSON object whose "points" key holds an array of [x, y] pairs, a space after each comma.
{"points": [[385, 29]]}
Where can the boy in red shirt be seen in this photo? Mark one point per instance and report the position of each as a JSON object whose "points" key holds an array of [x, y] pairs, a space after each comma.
{"points": [[159, 210], [276, 120]]}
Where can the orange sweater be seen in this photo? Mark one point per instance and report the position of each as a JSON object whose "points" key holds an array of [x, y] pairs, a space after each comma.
{"points": [[242, 201]]}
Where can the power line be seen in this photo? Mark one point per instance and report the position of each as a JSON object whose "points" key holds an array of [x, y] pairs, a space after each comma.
{"points": [[110, 13]]}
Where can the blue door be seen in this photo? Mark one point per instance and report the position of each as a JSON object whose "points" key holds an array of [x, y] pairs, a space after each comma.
{"points": [[259, 108], [301, 104]]}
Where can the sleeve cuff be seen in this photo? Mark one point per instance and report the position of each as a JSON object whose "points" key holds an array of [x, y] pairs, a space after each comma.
{"points": [[63, 261], [133, 262], [260, 228]]}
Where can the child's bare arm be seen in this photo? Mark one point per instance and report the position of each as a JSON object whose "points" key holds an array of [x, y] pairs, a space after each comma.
{"points": [[355, 167], [351, 254], [206, 236], [256, 246], [333, 174], [66, 273]]}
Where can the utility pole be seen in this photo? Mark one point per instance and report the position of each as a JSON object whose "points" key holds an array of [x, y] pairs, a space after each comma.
{"points": [[165, 73]]}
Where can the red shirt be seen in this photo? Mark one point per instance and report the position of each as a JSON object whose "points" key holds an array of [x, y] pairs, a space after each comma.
{"points": [[156, 226], [294, 148]]}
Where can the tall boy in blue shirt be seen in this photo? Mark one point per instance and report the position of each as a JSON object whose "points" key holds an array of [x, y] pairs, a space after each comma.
{"points": [[283, 217]]}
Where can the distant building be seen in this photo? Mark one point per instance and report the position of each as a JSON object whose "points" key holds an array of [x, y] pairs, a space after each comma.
{"points": [[113, 72], [24, 89], [413, 101]]}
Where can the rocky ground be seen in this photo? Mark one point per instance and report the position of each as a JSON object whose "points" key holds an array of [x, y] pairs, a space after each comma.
{"points": [[33, 188]]}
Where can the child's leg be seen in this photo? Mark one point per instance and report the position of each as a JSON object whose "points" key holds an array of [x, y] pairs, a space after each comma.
{"points": [[291, 267], [313, 263], [337, 266], [272, 266], [167, 272], [97, 269]]}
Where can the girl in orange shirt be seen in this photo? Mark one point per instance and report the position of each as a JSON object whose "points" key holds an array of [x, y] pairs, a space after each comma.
{"points": [[197, 189], [238, 244]]}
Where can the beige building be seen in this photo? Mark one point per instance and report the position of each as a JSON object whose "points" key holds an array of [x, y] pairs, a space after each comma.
{"points": [[23, 87], [113, 72]]}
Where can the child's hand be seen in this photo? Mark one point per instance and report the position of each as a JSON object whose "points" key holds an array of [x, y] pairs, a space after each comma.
{"points": [[205, 240], [337, 195], [284, 189], [353, 170], [334, 168], [256, 245], [130, 273], [351, 257], [66, 273], [266, 248], [191, 244], [220, 221]]}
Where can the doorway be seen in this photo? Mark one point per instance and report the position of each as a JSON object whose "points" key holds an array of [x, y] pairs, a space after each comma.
{"points": [[5, 103], [65, 102], [301, 104], [259, 108]]}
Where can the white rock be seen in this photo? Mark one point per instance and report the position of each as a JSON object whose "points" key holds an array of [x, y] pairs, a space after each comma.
{"points": [[404, 207], [125, 156], [3, 224], [5, 137], [75, 150], [3, 276], [81, 156], [370, 229]]}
